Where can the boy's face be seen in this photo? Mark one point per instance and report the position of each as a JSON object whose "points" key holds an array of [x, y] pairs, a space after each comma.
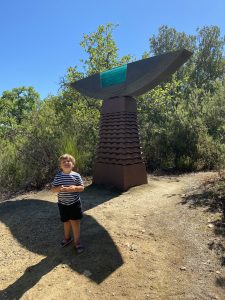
{"points": [[66, 165]]}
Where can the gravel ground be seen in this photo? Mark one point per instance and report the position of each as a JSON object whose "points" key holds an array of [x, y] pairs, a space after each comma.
{"points": [[146, 243]]}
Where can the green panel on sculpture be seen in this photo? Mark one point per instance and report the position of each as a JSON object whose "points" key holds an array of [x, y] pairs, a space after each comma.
{"points": [[114, 76]]}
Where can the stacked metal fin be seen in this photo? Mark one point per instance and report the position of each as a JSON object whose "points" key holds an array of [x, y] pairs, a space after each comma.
{"points": [[119, 159], [119, 140]]}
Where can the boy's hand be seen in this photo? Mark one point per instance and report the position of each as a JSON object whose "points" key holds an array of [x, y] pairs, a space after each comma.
{"points": [[63, 188], [71, 188]]}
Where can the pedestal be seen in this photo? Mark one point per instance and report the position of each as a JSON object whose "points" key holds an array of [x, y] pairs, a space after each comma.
{"points": [[119, 161]]}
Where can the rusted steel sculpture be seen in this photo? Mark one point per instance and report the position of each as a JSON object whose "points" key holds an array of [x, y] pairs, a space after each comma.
{"points": [[119, 160]]}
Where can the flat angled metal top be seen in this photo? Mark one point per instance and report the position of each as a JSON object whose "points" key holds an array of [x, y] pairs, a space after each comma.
{"points": [[134, 78]]}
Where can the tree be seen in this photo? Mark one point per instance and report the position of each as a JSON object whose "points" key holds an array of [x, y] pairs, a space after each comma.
{"points": [[168, 39], [101, 50], [15, 105], [102, 54], [209, 57], [207, 63]]}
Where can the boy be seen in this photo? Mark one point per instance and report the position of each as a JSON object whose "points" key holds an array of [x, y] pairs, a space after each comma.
{"points": [[68, 185]]}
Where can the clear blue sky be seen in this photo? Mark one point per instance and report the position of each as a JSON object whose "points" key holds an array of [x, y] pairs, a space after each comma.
{"points": [[40, 39]]}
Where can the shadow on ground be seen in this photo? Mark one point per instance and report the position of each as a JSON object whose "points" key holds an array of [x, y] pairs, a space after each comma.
{"points": [[220, 281], [35, 224], [212, 201], [212, 198]]}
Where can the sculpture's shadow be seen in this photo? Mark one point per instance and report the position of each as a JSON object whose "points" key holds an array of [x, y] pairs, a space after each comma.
{"points": [[35, 224]]}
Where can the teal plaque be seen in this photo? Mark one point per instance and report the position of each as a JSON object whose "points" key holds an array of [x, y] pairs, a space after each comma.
{"points": [[113, 76]]}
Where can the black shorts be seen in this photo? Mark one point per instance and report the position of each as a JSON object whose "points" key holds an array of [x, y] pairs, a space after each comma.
{"points": [[70, 212]]}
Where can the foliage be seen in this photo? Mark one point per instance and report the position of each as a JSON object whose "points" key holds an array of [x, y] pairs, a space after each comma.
{"points": [[168, 39], [209, 57], [207, 63], [102, 54], [101, 50], [184, 134], [15, 105]]}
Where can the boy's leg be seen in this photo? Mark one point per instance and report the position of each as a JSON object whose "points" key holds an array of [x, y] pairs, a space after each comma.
{"points": [[76, 230], [67, 229]]}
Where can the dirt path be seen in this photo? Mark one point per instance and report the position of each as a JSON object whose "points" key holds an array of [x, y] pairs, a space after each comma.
{"points": [[142, 244]]}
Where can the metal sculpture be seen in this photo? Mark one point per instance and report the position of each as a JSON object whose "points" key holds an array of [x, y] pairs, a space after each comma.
{"points": [[119, 159]]}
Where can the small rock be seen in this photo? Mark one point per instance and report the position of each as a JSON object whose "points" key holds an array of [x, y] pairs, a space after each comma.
{"points": [[210, 225], [133, 247], [218, 272], [87, 273], [183, 268], [211, 245]]}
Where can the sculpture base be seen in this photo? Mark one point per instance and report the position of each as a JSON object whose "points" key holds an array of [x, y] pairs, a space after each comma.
{"points": [[121, 177], [119, 160]]}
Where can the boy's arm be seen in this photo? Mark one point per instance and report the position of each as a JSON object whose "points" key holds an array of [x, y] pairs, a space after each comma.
{"points": [[71, 188], [56, 189]]}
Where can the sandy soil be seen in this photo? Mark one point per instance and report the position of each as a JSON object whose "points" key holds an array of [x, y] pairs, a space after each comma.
{"points": [[141, 244]]}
